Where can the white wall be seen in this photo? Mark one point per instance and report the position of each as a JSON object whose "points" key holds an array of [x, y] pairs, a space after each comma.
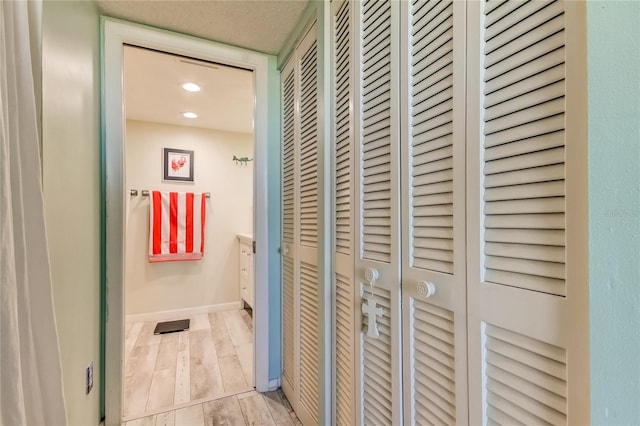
{"points": [[71, 185], [155, 287]]}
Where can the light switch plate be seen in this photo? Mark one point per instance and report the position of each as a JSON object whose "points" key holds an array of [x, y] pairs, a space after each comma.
{"points": [[89, 377]]}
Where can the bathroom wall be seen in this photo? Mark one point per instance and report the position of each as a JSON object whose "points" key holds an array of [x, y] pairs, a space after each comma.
{"points": [[167, 286]]}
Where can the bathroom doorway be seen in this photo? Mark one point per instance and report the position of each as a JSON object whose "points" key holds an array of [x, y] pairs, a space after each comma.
{"points": [[189, 130], [121, 203]]}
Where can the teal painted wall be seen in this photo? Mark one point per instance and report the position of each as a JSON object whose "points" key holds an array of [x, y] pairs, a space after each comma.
{"points": [[613, 30], [273, 189]]}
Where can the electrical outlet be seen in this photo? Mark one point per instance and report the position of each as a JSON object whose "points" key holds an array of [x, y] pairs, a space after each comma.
{"points": [[89, 377]]}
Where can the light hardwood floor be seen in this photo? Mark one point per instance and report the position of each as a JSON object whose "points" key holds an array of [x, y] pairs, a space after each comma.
{"points": [[249, 408], [207, 369]]}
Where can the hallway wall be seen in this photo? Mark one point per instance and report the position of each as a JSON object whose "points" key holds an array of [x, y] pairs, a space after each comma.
{"points": [[71, 184], [214, 280], [614, 210]]}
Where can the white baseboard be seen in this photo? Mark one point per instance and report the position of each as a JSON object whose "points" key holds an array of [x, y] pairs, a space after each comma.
{"points": [[182, 313], [274, 384]]}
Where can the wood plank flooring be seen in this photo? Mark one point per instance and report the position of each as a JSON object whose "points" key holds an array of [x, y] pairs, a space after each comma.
{"points": [[208, 364], [245, 409]]}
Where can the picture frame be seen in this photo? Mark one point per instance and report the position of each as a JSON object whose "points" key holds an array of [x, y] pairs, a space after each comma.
{"points": [[177, 164]]}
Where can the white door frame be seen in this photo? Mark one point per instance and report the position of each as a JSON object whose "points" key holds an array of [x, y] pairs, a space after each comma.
{"points": [[117, 33]]}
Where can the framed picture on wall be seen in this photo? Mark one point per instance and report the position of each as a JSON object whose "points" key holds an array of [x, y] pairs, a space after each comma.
{"points": [[178, 164]]}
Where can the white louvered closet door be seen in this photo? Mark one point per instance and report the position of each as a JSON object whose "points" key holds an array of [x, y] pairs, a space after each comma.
{"points": [[300, 229], [527, 291], [289, 210], [434, 304], [343, 204], [377, 210]]}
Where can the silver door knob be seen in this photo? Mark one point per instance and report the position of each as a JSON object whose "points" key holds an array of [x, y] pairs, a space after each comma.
{"points": [[426, 289]]}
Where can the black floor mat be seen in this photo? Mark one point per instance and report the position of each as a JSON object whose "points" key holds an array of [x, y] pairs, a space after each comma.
{"points": [[171, 326]]}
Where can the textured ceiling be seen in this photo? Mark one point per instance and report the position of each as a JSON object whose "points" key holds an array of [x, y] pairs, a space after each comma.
{"points": [[258, 25], [153, 91]]}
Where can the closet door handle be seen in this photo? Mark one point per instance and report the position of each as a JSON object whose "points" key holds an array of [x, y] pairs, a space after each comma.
{"points": [[426, 289], [371, 275]]}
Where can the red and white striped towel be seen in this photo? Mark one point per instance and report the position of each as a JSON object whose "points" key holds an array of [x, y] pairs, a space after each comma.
{"points": [[176, 226]]}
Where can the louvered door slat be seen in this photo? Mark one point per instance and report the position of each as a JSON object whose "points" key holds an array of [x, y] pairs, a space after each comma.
{"points": [[540, 109], [375, 123], [525, 161], [510, 148], [289, 228], [443, 210], [528, 59], [379, 34], [374, 97], [344, 372], [435, 177], [527, 132], [515, 72], [526, 377], [503, 93], [436, 113], [309, 338], [432, 85], [344, 351], [433, 364], [546, 93], [430, 130], [544, 173], [376, 366], [433, 42], [526, 251], [434, 161], [288, 320], [549, 399], [438, 374], [534, 19], [520, 13], [438, 350], [288, 160], [431, 80], [433, 407], [419, 9], [551, 237], [530, 166], [556, 386], [428, 15], [308, 148], [544, 205], [440, 243], [525, 221], [432, 47]]}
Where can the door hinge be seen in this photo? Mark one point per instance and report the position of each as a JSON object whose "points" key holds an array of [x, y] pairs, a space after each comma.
{"points": [[254, 246]]}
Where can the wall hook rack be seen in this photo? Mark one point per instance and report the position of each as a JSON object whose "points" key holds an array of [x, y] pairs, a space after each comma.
{"points": [[242, 160]]}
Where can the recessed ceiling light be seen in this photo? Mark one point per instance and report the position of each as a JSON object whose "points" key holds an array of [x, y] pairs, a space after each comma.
{"points": [[190, 114], [191, 87]]}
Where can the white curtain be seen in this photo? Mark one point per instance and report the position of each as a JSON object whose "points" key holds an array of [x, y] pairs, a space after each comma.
{"points": [[30, 372]]}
